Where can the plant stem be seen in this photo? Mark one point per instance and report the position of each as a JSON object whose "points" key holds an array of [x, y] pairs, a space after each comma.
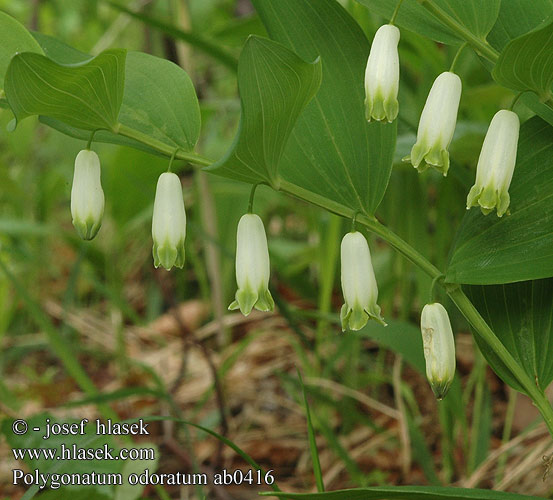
{"points": [[456, 58], [515, 100], [455, 292], [394, 15], [252, 196], [478, 44], [160, 146], [89, 143], [485, 332], [172, 159]]}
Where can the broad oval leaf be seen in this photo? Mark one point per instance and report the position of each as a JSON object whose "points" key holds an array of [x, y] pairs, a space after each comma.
{"points": [[332, 151], [159, 100], [518, 17], [476, 16], [275, 85], [59, 51], [87, 95], [14, 38], [526, 63], [521, 315], [405, 493], [516, 247]]}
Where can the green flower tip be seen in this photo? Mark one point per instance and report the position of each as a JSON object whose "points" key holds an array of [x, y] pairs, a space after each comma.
{"points": [[168, 256], [381, 109], [489, 200], [246, 300], [440, 388], [355, 318], [87, 229], [423, 157]]}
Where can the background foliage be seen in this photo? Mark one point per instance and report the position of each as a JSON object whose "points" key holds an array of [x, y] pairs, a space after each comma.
{"points": [[373, 416]]}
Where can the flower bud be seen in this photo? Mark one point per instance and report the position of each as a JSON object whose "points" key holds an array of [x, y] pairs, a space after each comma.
{"points": [[87, 196], [496, 165], [382, 75], [358, 283], [437, 124], [252, 267], [439, 348], [169, 222]]}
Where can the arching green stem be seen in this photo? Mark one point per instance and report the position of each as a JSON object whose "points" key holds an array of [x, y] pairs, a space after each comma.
{"points": [[478, 44], [454, 291], [160, 146]]}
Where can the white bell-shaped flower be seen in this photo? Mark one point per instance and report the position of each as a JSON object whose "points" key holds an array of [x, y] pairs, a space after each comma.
{"points": [[358, 283], [169, 222], [439, 348], [496, 164], [252, 267], [437, 124], [382, 75], [87, 196]]}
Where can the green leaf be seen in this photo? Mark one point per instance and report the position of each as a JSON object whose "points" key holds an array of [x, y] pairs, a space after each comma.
{"points": [[159, 100], [520, 314], [406, 493], [516, 247], [332, 152], [474, 15], [526, 63], [275, 85], [14, 38], [87, 96], [59, 51], [518, 17], [399, 336]]}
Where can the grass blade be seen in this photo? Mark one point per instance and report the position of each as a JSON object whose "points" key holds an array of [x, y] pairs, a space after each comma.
{"points": [[312, 442]]}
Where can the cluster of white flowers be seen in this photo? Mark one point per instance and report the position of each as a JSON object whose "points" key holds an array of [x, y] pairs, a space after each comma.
{"points": [[437, 125], [494, 173], [169, 218], [435, 131]]}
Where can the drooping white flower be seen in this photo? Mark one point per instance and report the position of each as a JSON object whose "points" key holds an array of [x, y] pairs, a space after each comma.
{"points": [[87, 196], [496, 164], [252, 267], [439, 348], [358, 283], [382, 75], [437, 124], [168, 222]]}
